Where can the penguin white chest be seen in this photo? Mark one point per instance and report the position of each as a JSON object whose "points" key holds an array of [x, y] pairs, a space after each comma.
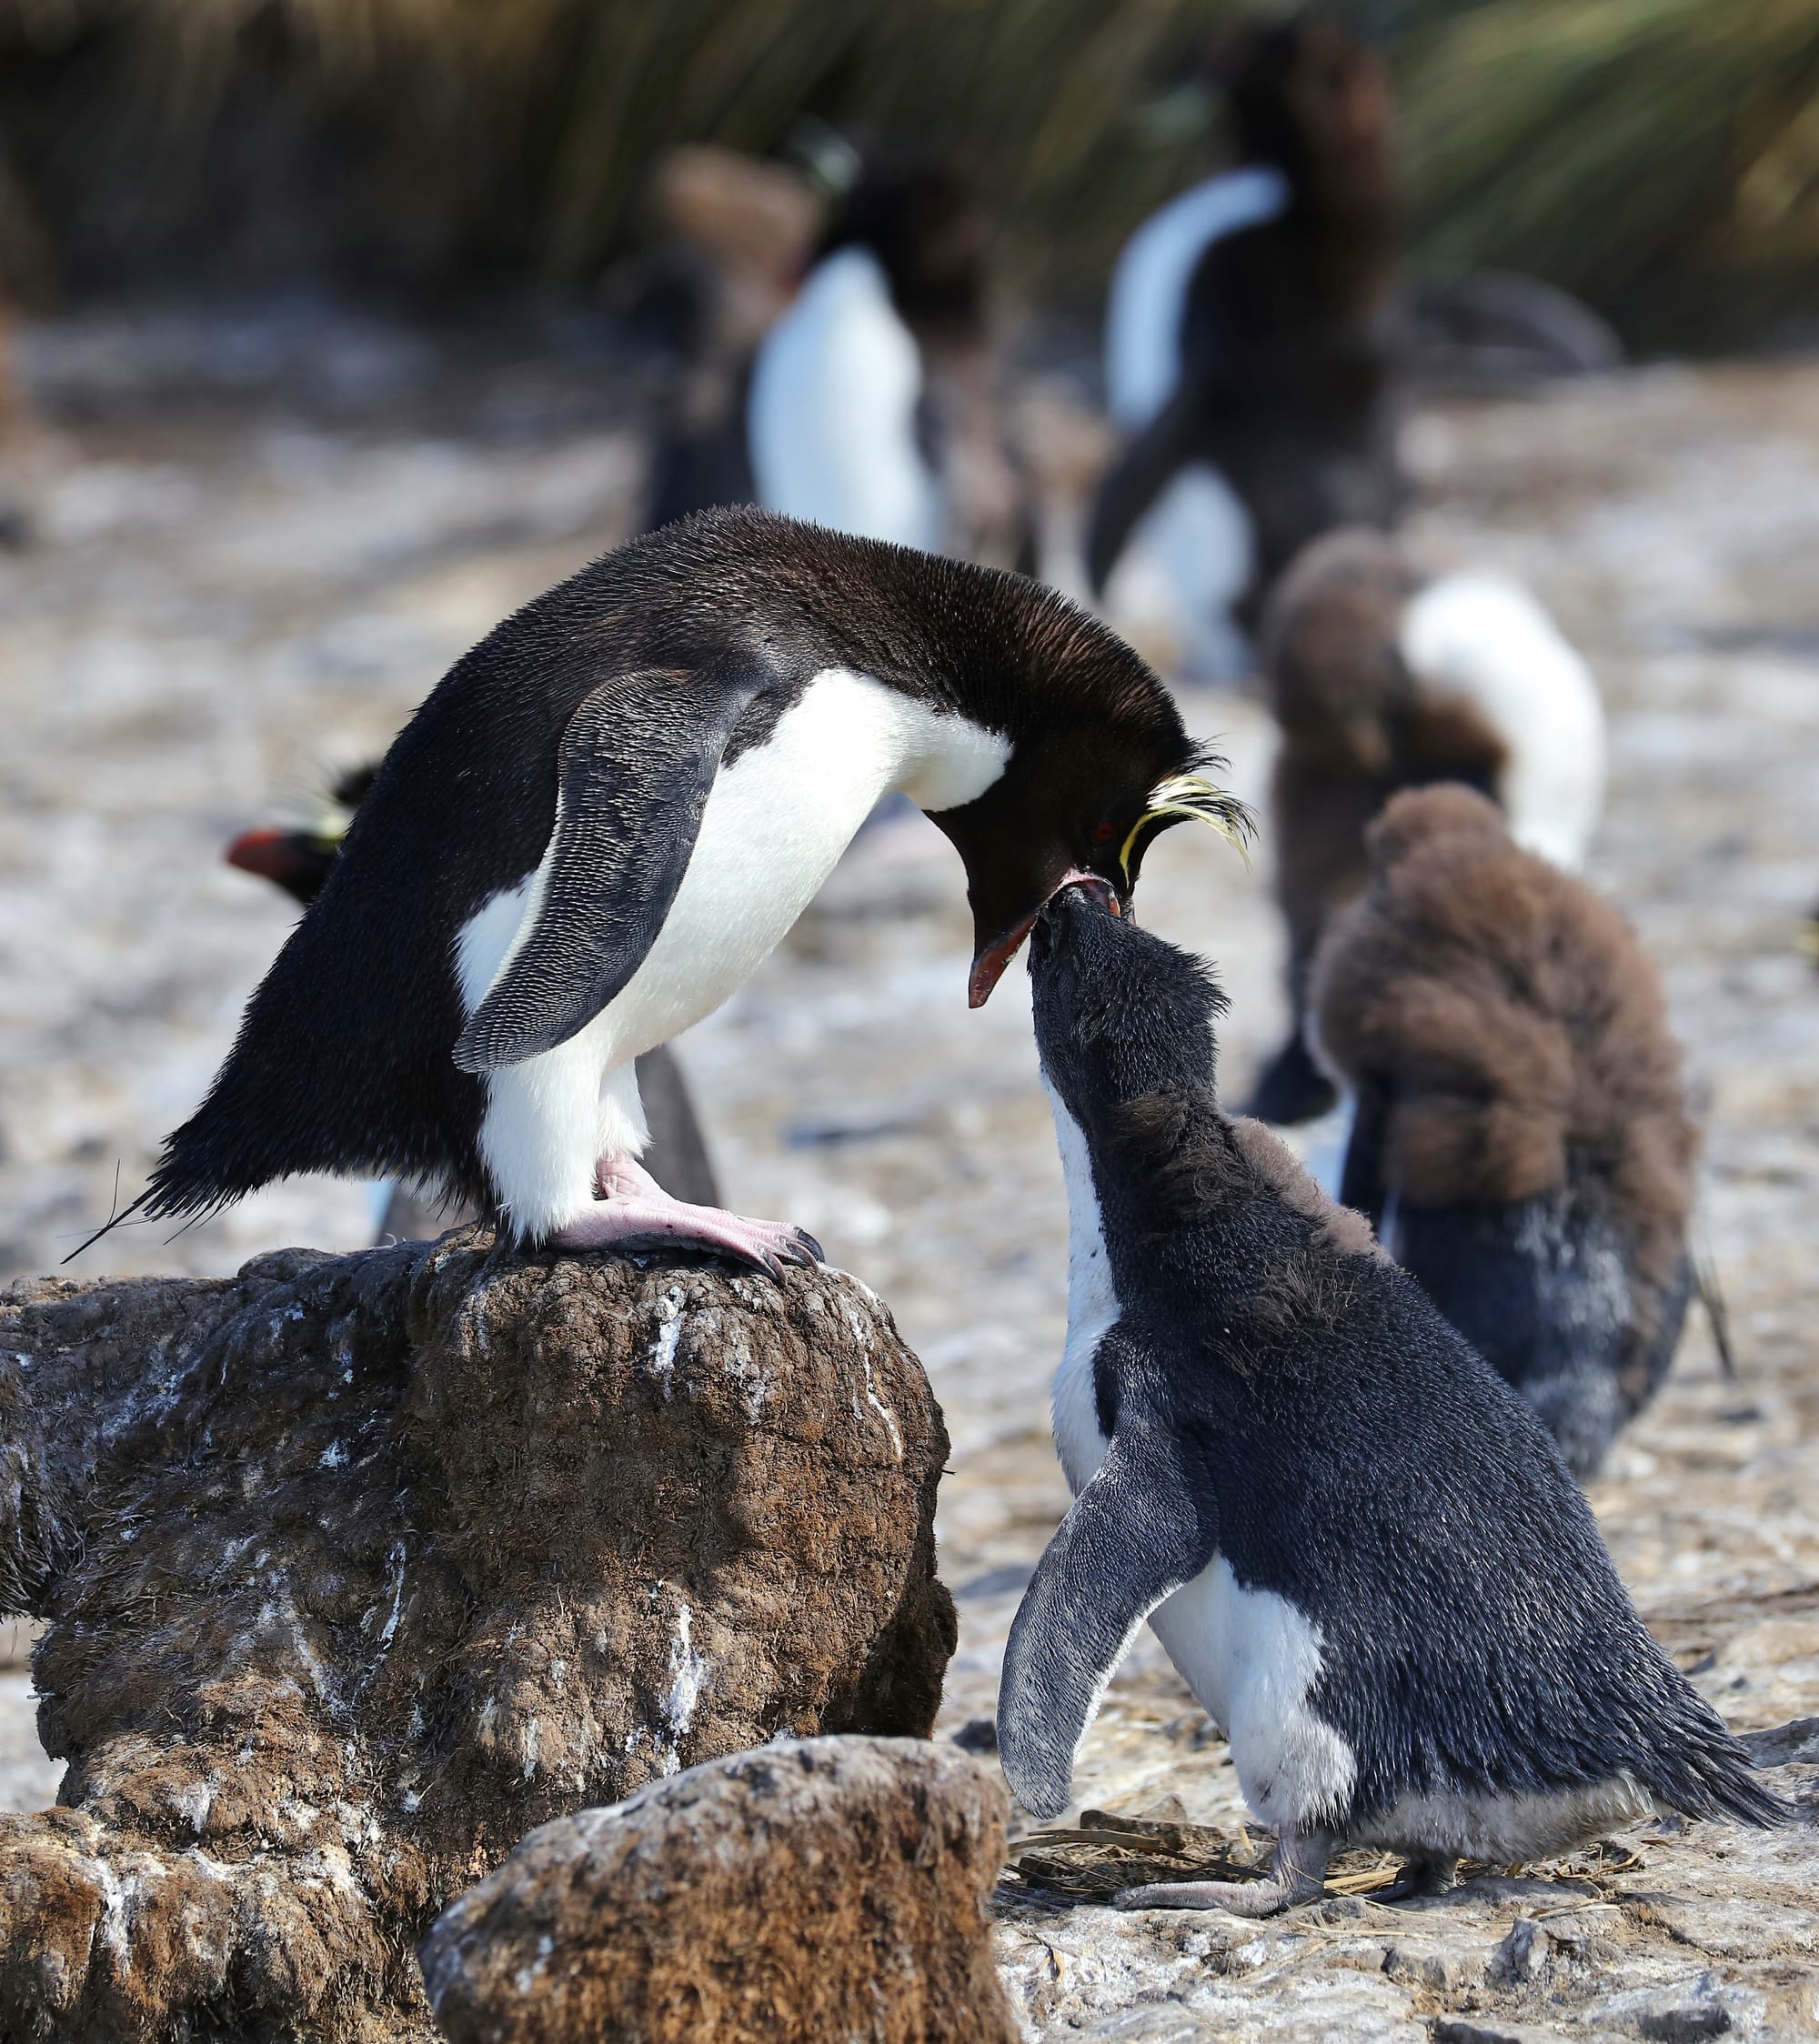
{"points": [[775, 822], [831, 413], [1250, 1656], [1092, 1307]]}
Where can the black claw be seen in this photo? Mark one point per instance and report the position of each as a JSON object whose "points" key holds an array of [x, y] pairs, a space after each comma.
{"points": [[817, 1254]]}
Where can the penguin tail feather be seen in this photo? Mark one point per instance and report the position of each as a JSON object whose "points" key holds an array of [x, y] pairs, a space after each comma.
{"points": [[1717, 1779], [107, 1227]]}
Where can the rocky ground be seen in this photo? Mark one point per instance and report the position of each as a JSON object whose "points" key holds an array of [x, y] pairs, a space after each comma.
{"points": [[259, 544]]}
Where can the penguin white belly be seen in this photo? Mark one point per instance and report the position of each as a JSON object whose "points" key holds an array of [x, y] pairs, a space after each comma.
{"points": [[1252, 1660], [1488, 642], [1510, 1829], [830, 419], [775, 824], [1195, 549], [1249, 1656]]}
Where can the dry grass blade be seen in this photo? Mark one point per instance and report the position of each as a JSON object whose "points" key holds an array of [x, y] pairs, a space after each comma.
{"points": [[1364, 1881], [1105, 1853]]}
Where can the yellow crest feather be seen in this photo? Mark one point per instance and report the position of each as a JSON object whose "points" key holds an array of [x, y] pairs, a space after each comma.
{"points": [[1200, 800]]}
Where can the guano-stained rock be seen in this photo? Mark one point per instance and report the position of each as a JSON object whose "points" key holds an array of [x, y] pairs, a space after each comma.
{"points": [[817, 1890], [358, 1568]]}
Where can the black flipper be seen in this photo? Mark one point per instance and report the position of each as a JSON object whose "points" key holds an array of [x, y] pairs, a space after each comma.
{"points": [[1137, 1532], [639, 762], [1136, 479]]}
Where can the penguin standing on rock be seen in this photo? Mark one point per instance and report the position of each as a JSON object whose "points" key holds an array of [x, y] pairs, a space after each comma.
{"points": [[1358, 1544], [1521, 1137], [605, 815], [1383, 675], [300, 861]]}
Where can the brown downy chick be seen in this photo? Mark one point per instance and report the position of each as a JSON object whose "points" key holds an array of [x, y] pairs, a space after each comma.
{"points": [[1383, 675], [1521, 1137]]}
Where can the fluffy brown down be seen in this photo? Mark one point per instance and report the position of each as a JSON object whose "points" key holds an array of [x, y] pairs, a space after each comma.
{"points": [[1509, 1019], [1355, 725]]}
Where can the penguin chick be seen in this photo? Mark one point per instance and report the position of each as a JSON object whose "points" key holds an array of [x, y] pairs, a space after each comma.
{"points": [[1522, 1137], [1358, 1544], [1249, 342], [605, 817], [300, 861], [1383, 675]]}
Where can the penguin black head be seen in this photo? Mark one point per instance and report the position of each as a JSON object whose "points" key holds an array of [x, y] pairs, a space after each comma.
{"points": [[1310, 98], [1120, 1014], [1075, 805], [300, 861], [931, 237]]}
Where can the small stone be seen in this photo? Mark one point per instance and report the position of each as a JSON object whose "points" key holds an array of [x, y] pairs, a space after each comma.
{"points": [[1487, 2029], [1684, 2025], [811, 1890], [1523, 1955], [1443, 1968], [1785, 1744]]}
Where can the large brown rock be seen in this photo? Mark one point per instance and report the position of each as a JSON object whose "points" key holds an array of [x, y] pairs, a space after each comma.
{"points": [[817, 1890], [357, 1568]]}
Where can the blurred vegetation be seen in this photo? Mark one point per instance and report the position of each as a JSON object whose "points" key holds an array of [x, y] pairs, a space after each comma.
{"points": [[1661, 158]]}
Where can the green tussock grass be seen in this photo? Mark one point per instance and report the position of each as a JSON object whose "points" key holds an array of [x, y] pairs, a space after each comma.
{"points": [[1659, 157]]}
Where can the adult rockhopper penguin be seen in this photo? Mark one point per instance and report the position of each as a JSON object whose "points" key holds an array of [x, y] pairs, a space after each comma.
{"points": [[607, 814], [873, 403], [301, 860], [1251, 330], [1358, 1544]]}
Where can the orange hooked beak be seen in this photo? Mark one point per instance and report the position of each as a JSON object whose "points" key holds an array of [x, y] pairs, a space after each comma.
{"points": [[990, 959]]}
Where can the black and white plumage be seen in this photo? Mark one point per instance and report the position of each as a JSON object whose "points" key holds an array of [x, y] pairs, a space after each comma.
{"points": [[1520, 1135], [1250, 350], [1359, 1546], [607, 814], [300, 861], [869, 406]]}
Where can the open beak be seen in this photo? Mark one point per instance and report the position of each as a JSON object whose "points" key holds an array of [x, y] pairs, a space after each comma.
{"points": [[990, 959]]}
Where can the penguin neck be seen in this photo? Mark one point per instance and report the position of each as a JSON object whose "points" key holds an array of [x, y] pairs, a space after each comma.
{"points": [[1161, 1201]]}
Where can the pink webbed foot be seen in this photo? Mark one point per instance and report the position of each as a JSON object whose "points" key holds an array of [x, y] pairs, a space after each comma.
{"points": [[633, 1208]]}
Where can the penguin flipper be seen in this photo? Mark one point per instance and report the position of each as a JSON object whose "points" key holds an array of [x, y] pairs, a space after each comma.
{"points": [[637, 763], [1135, 480], [1137, 1532]]}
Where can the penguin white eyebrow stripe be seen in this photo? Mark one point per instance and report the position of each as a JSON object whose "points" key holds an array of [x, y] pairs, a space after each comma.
{"points": [[637, 764], [1137, 1532]]}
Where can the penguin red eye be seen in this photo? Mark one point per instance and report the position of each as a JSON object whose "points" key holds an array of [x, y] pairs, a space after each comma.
{"points": [[1103, 832]]}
